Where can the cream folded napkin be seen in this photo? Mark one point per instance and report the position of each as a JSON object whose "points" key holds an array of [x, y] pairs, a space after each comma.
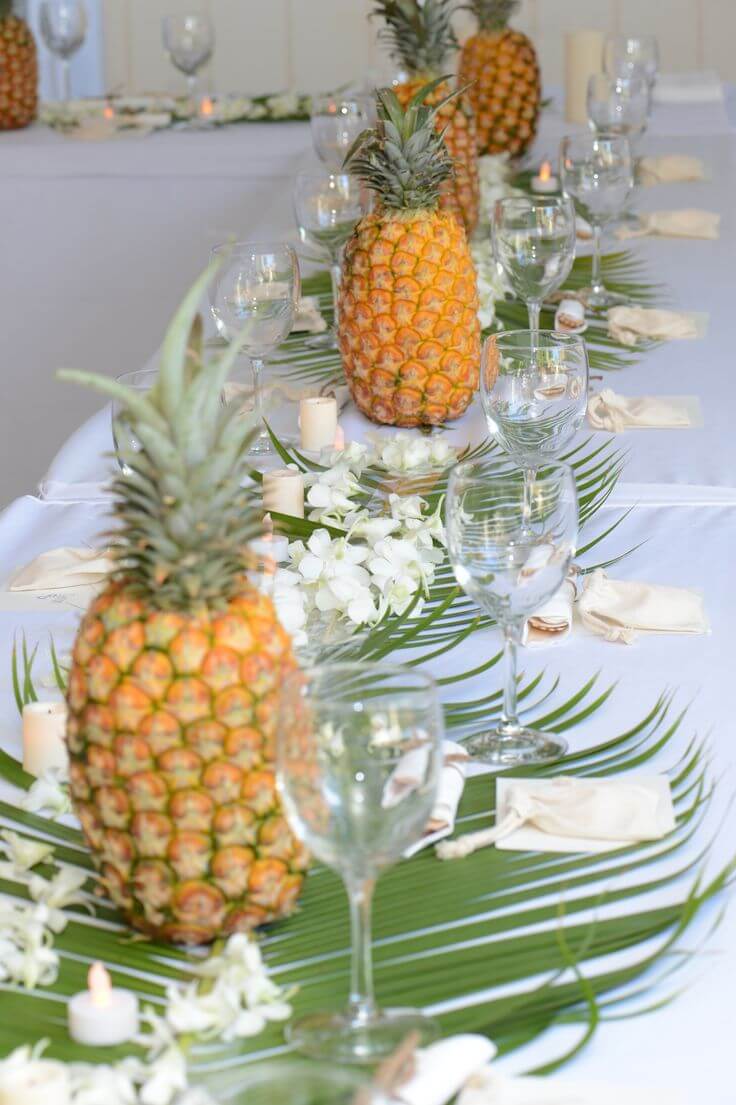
{"points": [[572, 815], [627, 324], [670, 168], [618, 609], [616, 413], [552, 622], [443, 1068], [65, 567], [490, 1088], [704, 87], [409, 773], [688, 223]]}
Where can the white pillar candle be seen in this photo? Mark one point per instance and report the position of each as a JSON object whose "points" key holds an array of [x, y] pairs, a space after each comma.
{"points": [[583, 59], [44, 737], [283, 492], [102, 1016], [318, 422]]}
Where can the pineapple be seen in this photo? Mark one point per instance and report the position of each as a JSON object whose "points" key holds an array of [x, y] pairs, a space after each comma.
{"points": [[176, 670], [18, 70], [420, 37], [501, 67], [409, 331]]}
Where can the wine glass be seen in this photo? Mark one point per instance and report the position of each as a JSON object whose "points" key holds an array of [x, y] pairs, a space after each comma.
{"points": [[253, 300], [63, 28], [511, 545], [359, 751], [189, 40], [534, 392], [597, 174], [632, 56], [336, 123], [125, 442], [328, 207], [618, 105], [534, 243]]}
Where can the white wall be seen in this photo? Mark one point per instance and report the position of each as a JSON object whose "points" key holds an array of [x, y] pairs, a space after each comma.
{"points": [[268, 45]]}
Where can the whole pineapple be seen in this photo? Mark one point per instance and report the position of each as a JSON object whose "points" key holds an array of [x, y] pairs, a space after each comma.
{"points": [[421, 37], [409, 331], [18, 70], [501, 67], [176, 670]]}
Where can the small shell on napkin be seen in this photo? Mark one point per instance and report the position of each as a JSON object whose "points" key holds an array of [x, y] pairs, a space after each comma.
{"points": [[583, 229], [570, 317]]}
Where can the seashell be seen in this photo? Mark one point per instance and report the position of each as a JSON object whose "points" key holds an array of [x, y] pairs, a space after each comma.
{"points": [[570, 317]]}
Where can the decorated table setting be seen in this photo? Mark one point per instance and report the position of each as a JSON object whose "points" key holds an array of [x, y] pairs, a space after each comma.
{"points": [[365, 658]]}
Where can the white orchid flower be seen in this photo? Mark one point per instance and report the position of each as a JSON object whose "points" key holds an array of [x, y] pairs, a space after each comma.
{"points": [[24, 853], [283, 105], [55, 895], [159, 1037], [165, 1078], [374, 529], [32, 965], [103, 1084], [355, 456], [49, 795], [190, 1013], [331, 494], [290, 602], [327, 558], [27, 1079]]}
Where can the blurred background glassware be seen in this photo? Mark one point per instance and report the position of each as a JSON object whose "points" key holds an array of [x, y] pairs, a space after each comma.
{"points": [[290, 1082], [124, 440], [189, 40], [359, 750], [327, 207], [511, 544], [618, 105], [63, 26], [632, 56], [534, 244], [534, 392], [253, 299], [597, 174], [336, 122]]}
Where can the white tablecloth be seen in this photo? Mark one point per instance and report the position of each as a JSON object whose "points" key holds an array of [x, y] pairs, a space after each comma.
{"points": [[684, 483]]}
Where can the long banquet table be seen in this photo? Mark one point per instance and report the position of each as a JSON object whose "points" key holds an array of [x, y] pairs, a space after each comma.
{"points": [[682, 486]]}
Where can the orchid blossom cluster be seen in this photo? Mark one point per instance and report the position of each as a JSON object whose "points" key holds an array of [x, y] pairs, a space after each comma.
{"points": [[381, 563]]}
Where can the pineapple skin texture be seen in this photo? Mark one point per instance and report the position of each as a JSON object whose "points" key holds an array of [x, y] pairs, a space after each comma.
{"points": [[460, 194], [505, 90], [172, 723], [18, 74], [409, 331]]}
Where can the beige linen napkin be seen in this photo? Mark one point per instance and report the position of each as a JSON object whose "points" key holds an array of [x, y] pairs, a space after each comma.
{"points": [[688, 223], [552, 622], [619, 610], [570, 814], [443, 1068], [488, 1087], [616, 413], [65, 567], [627, 324], [410, 772], [670, 169]]}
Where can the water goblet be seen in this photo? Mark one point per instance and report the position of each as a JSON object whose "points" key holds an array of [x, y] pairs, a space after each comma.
{"points": [[511, 545], [125, 442], [632, 56], [358, 759], [534, 243], [327, 207], [597, 174], [63, 26], [336, 122], [618, 105], [189, 40], [253, 301]]}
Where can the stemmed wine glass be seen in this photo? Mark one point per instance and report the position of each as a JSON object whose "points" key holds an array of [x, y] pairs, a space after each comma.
{"points": [[125, 442], [632, 56], [597, 174], [253, 301], [510, 546], [63, 28], [189, 40], [358, 760], [336, 123], [327, 207], [534, 243], [618, 105]]}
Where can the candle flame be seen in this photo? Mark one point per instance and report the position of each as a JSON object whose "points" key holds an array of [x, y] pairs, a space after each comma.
{"points": [[207, 107], [545, 172], [100, 985], [339, 442], [109, 112]]}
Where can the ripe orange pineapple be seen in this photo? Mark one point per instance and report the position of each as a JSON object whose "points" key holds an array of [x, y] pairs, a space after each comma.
{"points": [[176, 671], [408, 330], [501, 67], [420, 38], [18, 70]]}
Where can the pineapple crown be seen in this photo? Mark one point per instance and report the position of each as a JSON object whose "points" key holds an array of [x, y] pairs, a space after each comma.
{"points": [[6, 8], [404, 160], [492, 15], [184, 520], [419, 35]]}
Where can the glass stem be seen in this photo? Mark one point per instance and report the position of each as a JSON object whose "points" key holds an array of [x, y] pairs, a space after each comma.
{"points": [[258, 366], [336, 275], [509, 717], [361, 1005], [66, 84], [596, 281], [192, 87], [534, 310]]}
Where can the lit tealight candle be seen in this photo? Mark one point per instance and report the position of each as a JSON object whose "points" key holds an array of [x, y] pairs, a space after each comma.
{"points": [[318, 422], [108, 112], [102, 1016], [44, 737], [206, 108], [545, 182], [283, 492]]}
